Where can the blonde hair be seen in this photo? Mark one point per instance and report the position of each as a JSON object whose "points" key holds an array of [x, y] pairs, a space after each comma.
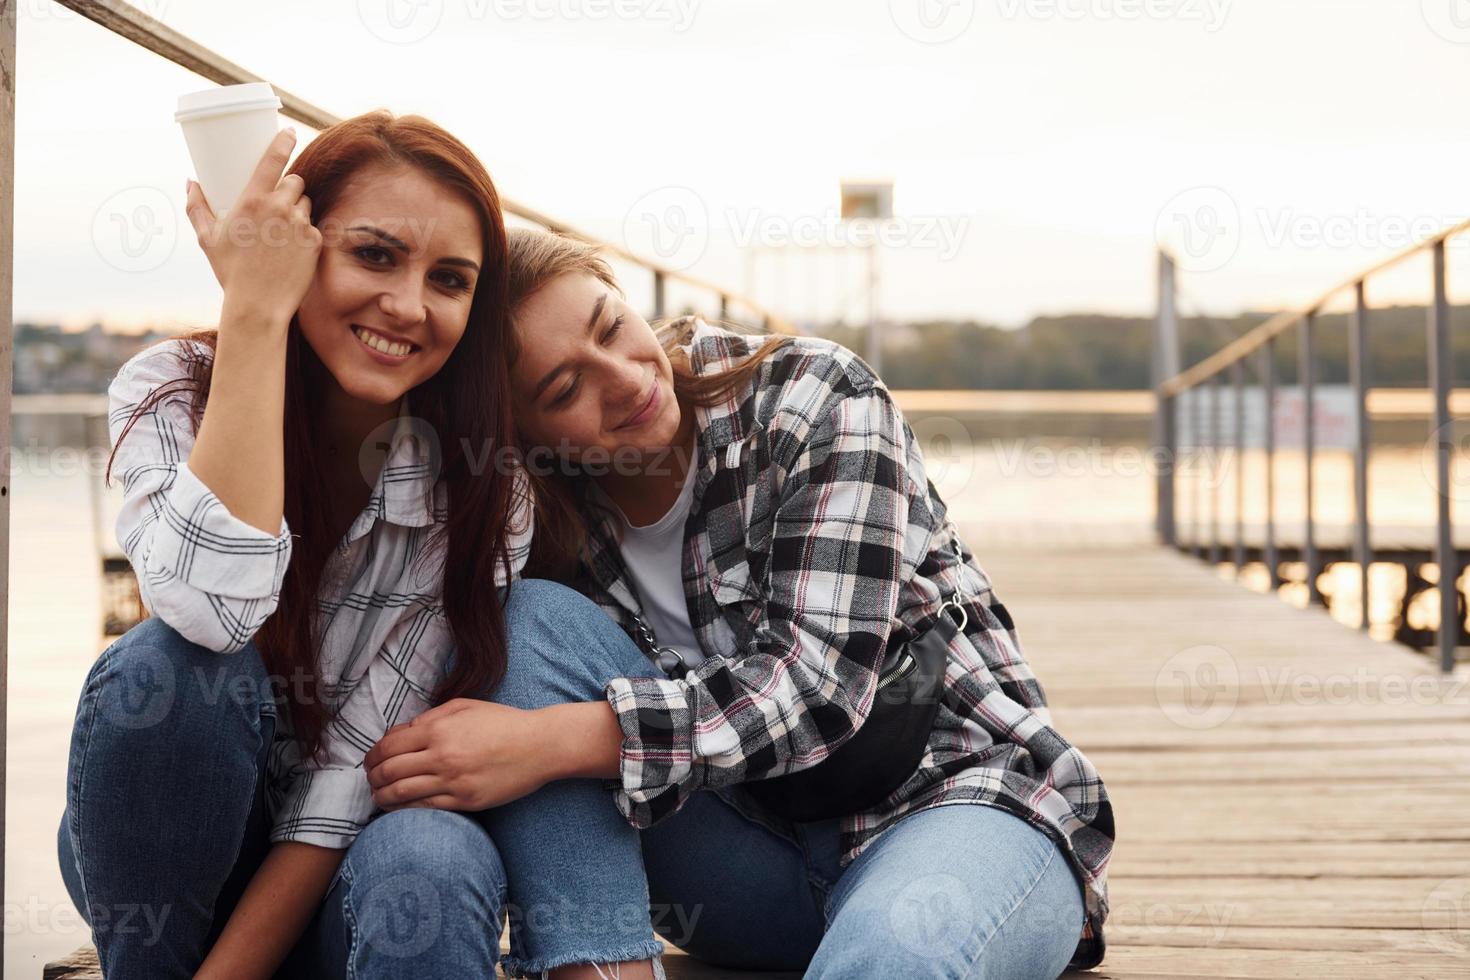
{"points": [[535, 259]]}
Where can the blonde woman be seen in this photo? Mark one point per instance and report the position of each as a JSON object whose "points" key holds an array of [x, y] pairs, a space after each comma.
{"points": [[747, 530]]}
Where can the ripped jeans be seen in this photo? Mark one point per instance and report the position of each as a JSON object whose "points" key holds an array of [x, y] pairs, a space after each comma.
{"points": [[167, 814], [962, 890]]}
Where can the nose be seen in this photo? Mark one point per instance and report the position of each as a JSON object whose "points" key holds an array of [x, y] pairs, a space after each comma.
{"points": [[628, 390], [403, 301]]}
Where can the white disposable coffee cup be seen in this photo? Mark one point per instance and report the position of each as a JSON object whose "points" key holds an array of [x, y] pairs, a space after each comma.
{"points": [[228, 129]]}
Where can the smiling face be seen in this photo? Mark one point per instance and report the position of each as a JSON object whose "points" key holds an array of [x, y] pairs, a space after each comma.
{"points": [[394, 284], [591, 373]]}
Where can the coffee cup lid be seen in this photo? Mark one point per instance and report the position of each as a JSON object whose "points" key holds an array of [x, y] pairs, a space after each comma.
{"points": [[226, 98]]}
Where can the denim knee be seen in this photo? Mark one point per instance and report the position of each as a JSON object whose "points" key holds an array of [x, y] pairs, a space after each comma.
{"points": [[423, 883], [153, 680], [562, 647]]}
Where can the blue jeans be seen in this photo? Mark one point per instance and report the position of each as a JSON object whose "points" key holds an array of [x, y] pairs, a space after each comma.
{"points": [[963, 890], [166, 823], [423, 893]]}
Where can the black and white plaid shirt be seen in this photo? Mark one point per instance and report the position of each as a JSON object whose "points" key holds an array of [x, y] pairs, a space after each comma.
{"points": [[814, 538], [385, 641]]}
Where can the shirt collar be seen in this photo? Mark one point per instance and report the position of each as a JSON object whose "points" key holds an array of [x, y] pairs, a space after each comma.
{"points": [[407, 492], [713, 349]]}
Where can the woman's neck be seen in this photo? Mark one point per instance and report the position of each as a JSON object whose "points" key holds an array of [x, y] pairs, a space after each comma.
{"points": [[647, 492], [347, 423]]}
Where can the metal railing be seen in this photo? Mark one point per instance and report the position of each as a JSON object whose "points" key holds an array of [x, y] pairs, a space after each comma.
{"points": [[129, 22], [1204, 380]]}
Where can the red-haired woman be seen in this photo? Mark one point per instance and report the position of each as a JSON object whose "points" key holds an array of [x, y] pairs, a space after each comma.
{"points": [[317, 522]]}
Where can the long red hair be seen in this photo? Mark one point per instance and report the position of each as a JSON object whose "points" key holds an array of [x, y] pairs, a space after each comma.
{"points": [[467, 402]]}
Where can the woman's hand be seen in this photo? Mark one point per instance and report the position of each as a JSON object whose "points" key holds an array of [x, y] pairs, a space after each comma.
{"points": [[264, 251], [464, 754]]}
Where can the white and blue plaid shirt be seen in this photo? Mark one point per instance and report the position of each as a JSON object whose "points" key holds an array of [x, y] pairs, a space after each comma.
{"points": [[385, 639]]}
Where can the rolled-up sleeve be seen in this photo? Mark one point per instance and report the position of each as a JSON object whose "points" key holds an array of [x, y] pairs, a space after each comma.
{"points": [[212, 577], [806, 686]]}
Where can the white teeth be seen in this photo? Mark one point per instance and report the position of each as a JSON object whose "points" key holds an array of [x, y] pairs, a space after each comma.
{"points": [[382, 344]]}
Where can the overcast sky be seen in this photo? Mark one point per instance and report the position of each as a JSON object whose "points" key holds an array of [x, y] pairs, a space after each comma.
{"points": [[1040, 149]]}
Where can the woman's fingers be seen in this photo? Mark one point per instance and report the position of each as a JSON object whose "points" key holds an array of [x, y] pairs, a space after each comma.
{"points": [[267, 175], [290, 188], [201, 216]]}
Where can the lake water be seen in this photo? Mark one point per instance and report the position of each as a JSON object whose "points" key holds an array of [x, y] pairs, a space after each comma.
{"points": [[1007, 493]]}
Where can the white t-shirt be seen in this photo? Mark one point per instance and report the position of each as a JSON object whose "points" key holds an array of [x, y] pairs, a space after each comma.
{"points": [[654, 554]]}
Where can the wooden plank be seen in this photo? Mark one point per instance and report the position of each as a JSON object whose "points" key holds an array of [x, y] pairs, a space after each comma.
{"points": [[1316, 827]]}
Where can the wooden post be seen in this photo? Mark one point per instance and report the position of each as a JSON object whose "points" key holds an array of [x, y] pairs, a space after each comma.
{"points": [[1440, 370], [1358, 372], [1268, 372], [1237, 376], [7, 340], [1306, 376], [1165, 364], [1212, 468]]}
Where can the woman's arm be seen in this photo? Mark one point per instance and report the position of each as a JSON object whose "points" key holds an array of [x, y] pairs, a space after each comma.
{"points": [[240, 449], [201, 518], [264, 253], [275, 910], [834, 570]]}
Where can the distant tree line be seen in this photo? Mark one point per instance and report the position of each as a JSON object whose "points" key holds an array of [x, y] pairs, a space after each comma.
{"points": [[1091, 351]]}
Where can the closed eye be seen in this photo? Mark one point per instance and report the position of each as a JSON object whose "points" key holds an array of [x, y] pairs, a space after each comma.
{"points": [[571, 389]]}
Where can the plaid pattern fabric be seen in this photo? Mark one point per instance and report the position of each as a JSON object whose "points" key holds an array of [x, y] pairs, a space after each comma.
{"points": [[815, 541], [385, 640]]}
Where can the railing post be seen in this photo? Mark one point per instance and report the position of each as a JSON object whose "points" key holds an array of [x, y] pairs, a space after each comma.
{"points": [[1164, 365], [1440, 370], [1212, 469], [1237, 377], [724, 306], [658, 293], [1306, 375], [1196, 503], [1358, 372], [1167, 428], [1268, 375], [7, 335]]}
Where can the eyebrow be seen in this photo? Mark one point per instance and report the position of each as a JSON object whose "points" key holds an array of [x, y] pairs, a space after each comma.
{"points": [[403, 247], [551, 375]]}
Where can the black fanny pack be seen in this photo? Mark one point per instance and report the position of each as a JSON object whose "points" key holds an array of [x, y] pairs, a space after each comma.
{"points": [[887, 748]]}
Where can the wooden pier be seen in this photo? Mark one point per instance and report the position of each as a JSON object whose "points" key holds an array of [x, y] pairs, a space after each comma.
{"points": [[1291, 796]]}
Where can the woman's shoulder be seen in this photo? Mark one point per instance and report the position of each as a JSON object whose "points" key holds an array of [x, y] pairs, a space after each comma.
{"points": [[800, 368], [797, 387]]}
